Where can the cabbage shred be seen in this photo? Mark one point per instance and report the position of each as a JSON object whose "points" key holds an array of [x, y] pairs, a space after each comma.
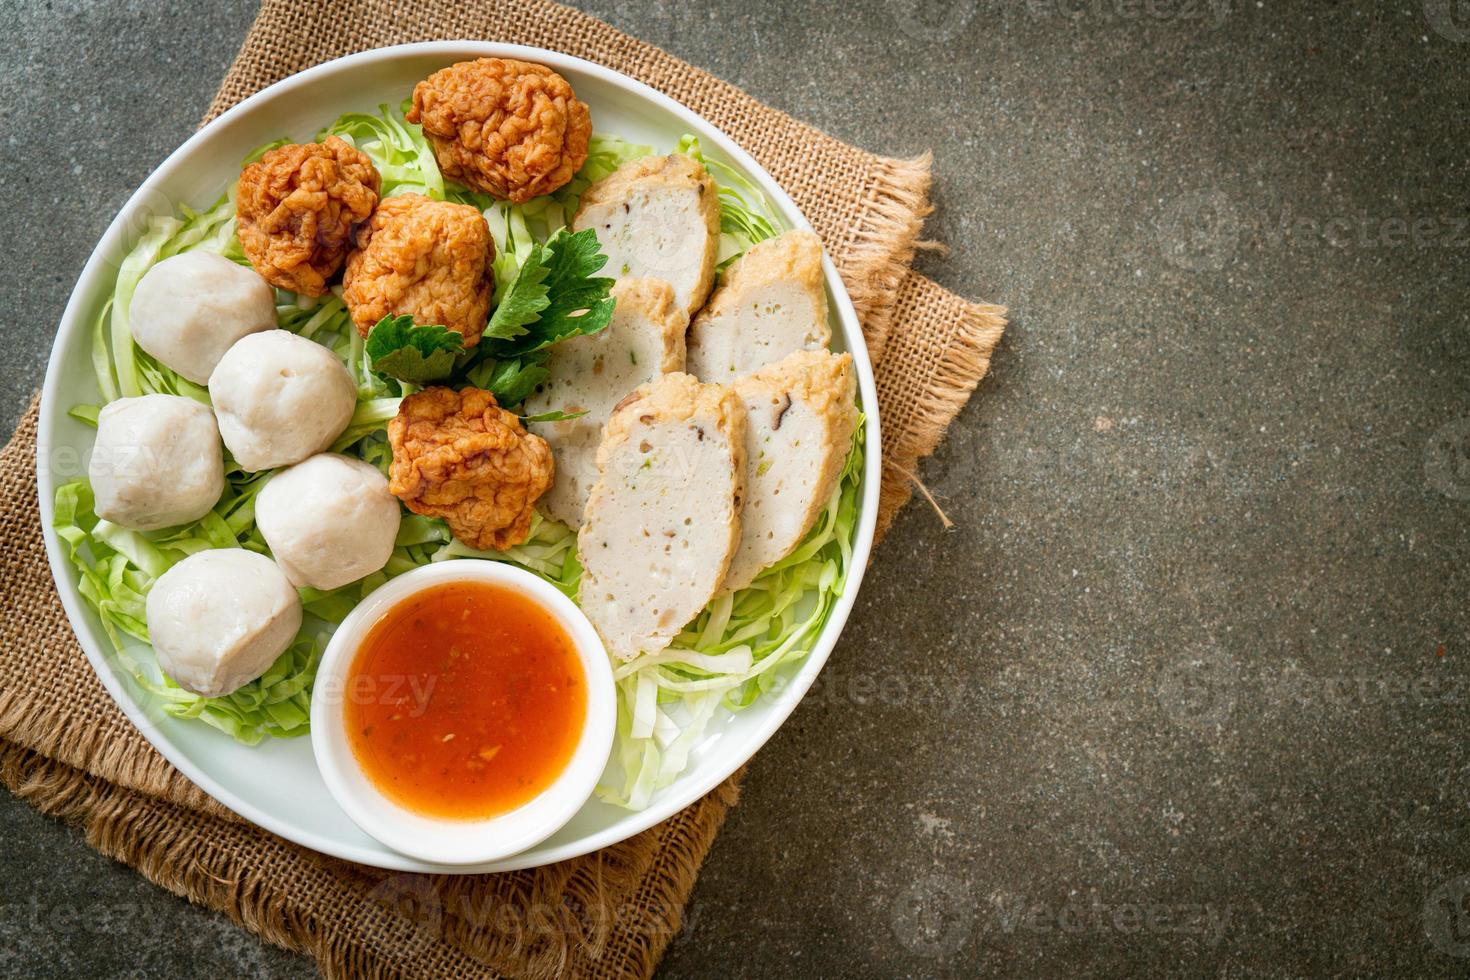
{"points": [[740, 648]]}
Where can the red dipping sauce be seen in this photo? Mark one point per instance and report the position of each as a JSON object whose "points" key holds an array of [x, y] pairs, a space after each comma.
{"points": [[465, 701]]}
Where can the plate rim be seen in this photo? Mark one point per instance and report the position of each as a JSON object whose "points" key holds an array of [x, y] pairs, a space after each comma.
{"points": [[662, 807]]}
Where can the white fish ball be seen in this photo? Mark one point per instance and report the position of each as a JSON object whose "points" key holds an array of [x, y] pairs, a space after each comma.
{"points": [[156, 462], [328, 520], [219, 618], [280, 398], [190, 308]]}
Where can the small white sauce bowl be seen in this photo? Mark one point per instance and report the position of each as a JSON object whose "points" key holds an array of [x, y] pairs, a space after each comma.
{"points": [[460, 842]]}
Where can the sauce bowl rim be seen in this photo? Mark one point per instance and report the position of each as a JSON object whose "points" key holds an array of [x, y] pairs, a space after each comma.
{"points": [[448, 841]]}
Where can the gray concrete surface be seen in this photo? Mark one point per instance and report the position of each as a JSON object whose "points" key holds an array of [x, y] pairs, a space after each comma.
{"points": [[1185, 690]]}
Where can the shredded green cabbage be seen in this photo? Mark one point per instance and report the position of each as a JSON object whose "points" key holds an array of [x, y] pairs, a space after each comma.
{"points": [[118, 566], [398, 149], [727, 658], [733, 651], [743, 205]]}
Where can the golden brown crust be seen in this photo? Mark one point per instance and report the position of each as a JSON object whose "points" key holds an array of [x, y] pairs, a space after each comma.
{"points": [[791, 257], [675, 168], [298, 207], [458, 456], [510, 128], [771, 301], [654, 298], [823, 380], [430, 260], [675, 397]]}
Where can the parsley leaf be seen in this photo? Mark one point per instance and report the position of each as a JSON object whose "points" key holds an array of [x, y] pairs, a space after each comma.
{"points": [[523, 300], [510, 380], [400, 349], [555, 295]]}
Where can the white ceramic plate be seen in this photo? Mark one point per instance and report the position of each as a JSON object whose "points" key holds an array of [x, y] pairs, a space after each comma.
{"points": [[276, 784]]}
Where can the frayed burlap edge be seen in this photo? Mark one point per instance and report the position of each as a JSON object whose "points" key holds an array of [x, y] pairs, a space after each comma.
{"points": [[882, 244], [955, 363], [40, 716], [96, 771], [116, 760], [369, 933], [134, 806]]}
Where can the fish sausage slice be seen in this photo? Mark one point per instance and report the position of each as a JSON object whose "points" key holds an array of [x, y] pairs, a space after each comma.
{"points": [[663, 519], [771, 303], [658, 217], [801, 413], [592, 373]]}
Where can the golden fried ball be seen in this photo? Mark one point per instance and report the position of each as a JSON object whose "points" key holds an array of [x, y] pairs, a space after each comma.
{"points": [[427, 259], [458, 456], [510, 128], [298, 207]]}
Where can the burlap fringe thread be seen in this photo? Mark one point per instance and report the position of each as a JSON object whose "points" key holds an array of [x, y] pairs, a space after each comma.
{"points": [[126, 814]]}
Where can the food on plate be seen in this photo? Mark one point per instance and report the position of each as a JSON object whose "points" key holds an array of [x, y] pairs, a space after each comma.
{"points": [[280, 398], [574, 449], [426, 259], [493, 709], [298, 206], [801, 413], [189, 308], [459, 456], [220, 617], [156, 462], [658, 217], [509, 128], [663, 520], [328, 520], [772, 302], [591, 374], [555, 295], [473, 464]]}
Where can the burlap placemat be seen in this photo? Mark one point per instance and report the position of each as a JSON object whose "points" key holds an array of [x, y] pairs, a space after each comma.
{"points": [[66, 748]]}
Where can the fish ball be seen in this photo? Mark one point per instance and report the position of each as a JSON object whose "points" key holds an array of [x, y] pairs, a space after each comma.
{"points": [[218, 619], [156, 462], [329, 520], [280, 398], [189, 309]]}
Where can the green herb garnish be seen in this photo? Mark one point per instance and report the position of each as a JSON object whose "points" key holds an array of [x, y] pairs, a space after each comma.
{"points": [[406, 351], [555, 295]]}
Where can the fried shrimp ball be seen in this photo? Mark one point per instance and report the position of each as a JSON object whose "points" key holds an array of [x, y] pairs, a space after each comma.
{"points": [[458, 456], [510, 128], [298, 207], [427, 259]]}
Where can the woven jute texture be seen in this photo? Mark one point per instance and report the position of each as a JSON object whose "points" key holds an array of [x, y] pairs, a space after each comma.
{"points": [[66, 748]]}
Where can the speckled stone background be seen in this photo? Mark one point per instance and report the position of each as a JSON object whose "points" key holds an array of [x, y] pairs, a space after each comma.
{"points": [[1185, 691]]}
